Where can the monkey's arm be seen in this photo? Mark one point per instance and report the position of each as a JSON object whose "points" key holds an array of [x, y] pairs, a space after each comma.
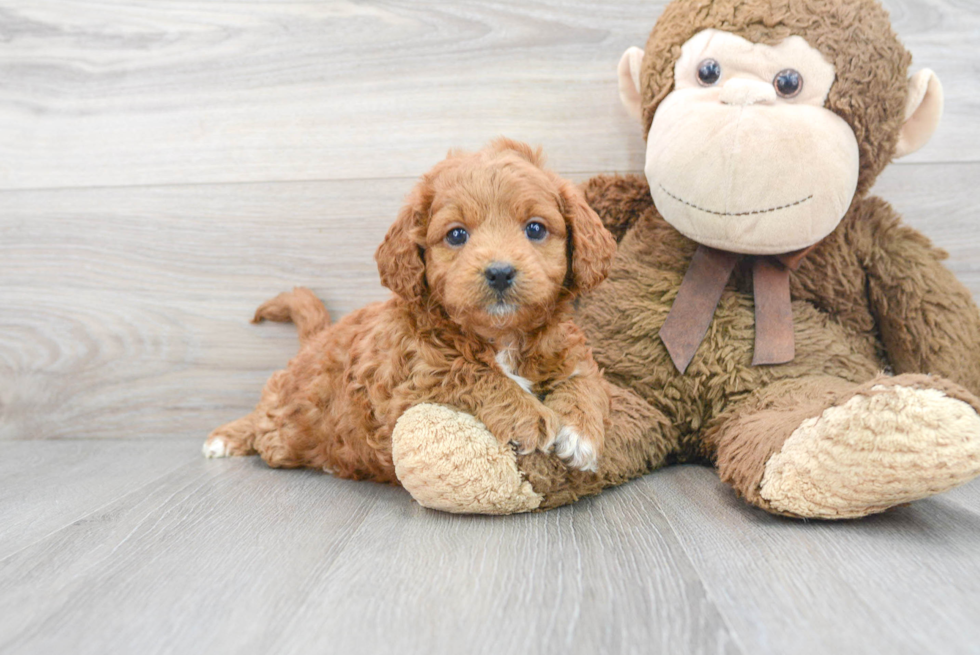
{"points": [[928, 320], [618, 200]]}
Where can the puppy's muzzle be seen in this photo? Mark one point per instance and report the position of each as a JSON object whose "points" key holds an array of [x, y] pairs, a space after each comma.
{"points": [[500, 277]]}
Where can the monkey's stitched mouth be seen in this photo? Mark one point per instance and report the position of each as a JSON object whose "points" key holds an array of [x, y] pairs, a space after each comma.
{"points": [[749, 213]]}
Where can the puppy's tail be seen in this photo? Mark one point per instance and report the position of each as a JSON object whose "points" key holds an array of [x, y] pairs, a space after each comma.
{"points": [[301, 307]]}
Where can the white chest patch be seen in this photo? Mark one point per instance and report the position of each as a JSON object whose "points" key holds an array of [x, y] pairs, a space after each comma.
{"points": [[505, 359]]}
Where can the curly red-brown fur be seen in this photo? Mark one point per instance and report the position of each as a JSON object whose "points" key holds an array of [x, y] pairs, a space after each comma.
{"points": [[301, 307], [446, 336]]}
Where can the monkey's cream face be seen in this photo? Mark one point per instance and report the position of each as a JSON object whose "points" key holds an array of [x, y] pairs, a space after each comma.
{"points": [[742, 155]]}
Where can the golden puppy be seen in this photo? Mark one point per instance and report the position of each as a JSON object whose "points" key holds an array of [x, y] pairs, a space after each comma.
{"points": [[483, 260]]}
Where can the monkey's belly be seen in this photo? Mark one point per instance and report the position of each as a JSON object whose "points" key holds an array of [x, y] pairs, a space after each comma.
{"points": [[622, 319]]}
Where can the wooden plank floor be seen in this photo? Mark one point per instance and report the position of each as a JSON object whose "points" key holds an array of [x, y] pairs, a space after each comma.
{"points": [[165, 167], [232, 557]]}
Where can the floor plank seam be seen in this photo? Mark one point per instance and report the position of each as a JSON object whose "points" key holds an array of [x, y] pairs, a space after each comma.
{"points": [[383, 178], [129, 440], [97, 509], [708, 593], [271, 182], [340, 550]]}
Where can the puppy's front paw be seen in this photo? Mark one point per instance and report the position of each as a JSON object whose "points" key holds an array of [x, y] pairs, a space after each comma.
{"points": [[222, 443], [216, 447], [537, 432], [578, 450]]}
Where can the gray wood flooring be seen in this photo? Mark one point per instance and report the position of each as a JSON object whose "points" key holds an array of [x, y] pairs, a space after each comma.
{"points": [[232, 557], [166, 167]]}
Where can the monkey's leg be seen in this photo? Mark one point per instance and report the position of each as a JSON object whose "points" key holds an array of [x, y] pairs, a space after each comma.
{"points": [[821, 447], [449, 461]]}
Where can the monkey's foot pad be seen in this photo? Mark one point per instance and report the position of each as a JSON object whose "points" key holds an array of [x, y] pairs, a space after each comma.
{"points": [[891, 446], [449, 461]]}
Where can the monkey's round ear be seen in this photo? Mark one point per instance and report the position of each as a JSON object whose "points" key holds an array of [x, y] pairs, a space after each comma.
{"points": [[591, 246], [400, 256], [629, 81], [923, 109]]}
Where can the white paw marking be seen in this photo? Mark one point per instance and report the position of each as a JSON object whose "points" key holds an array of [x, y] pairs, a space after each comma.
{"points": [[216, 447], [505, 361], [575, 449]]}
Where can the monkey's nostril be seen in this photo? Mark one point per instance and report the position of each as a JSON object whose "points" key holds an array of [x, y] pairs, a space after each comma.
{"points": [[500, 276]]}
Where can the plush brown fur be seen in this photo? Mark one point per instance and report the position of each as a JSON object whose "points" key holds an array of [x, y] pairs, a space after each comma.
{"points": [[445, 334], [872, 297]]}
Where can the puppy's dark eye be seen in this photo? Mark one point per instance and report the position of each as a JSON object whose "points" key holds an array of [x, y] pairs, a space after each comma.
{"points": [[788, 83], [457, 236], [709, 72], [535, 231]]}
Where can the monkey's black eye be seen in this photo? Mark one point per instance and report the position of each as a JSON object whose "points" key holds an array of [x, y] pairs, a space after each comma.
{"points": [[788, 83], [709, 72], [535, 231], [457, 236]]}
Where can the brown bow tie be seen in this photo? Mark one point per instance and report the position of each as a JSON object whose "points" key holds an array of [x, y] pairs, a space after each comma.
{"points": [[705, 280]]}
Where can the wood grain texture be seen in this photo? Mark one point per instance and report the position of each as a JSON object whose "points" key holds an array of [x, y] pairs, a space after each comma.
{"points": [[967, 496], [47, 485], [907, 581], [125, 310], [231, 557], [166, 167], [179, 92]]}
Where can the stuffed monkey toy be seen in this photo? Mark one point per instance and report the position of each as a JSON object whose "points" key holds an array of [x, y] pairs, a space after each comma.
{"points": [[763, 312]]}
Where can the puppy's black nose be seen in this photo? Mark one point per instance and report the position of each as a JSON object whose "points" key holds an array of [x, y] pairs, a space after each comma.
{"points": [[500, 276]]}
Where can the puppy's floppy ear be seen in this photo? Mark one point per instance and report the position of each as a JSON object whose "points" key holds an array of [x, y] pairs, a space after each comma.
{"points": [[400, 256], [591, 246]]}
